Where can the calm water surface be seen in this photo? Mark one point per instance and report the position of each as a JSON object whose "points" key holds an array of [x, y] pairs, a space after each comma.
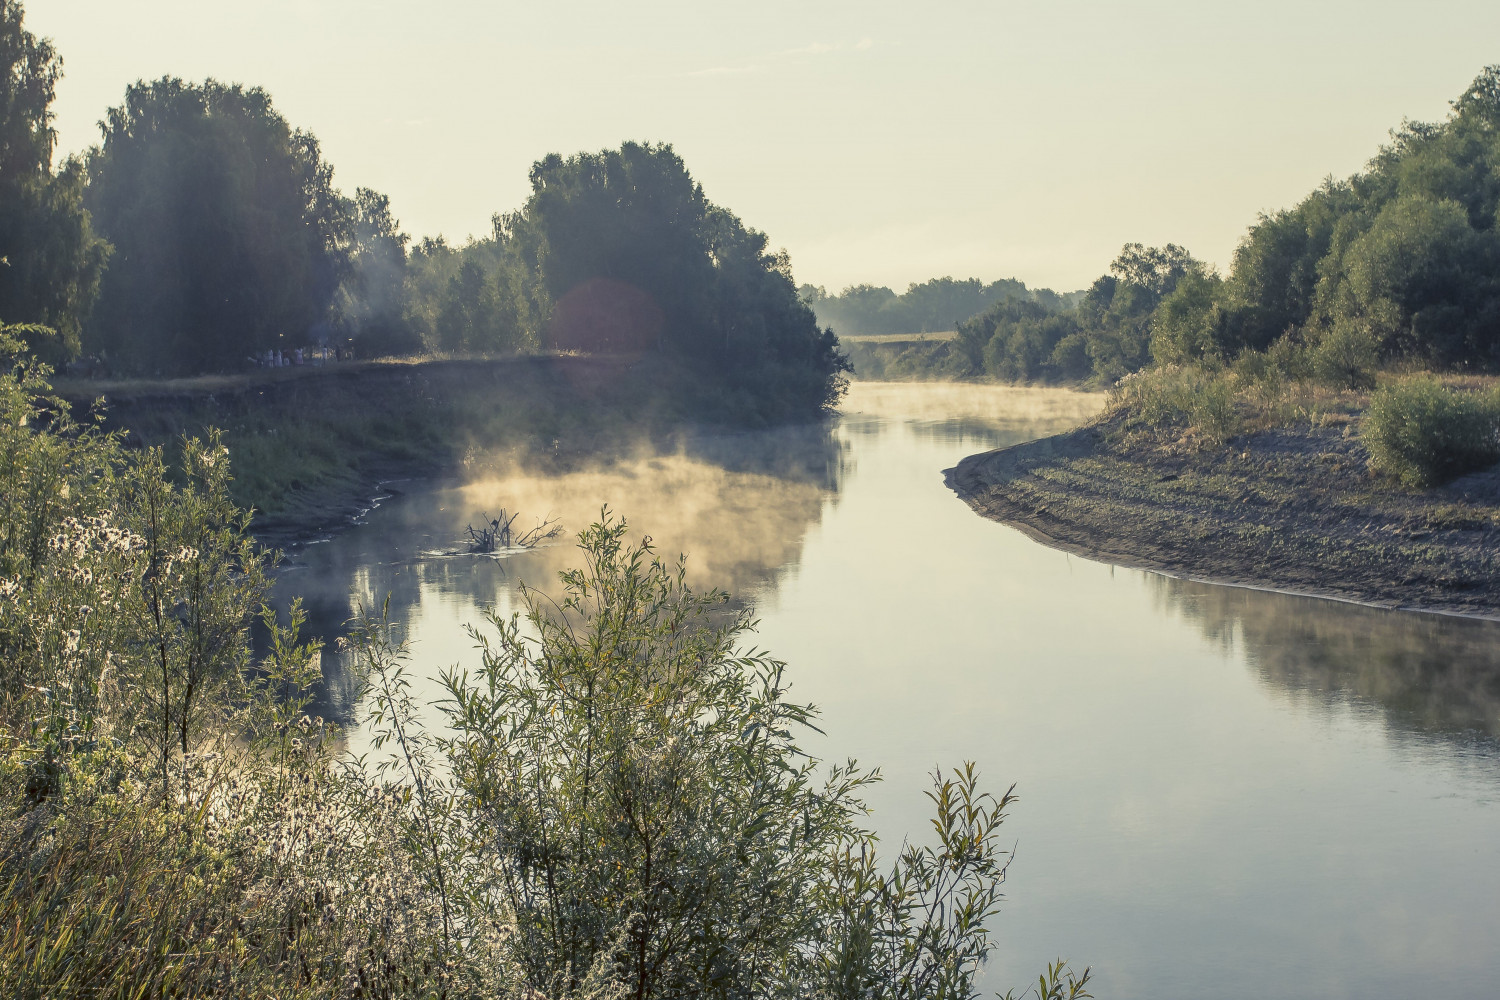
{"points": [[1222, 792]]}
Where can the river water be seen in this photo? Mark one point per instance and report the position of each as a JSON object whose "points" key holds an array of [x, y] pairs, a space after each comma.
{"points": [[1223, 792]]}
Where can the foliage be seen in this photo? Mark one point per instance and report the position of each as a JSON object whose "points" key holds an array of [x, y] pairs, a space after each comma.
{"points": [[1187, 325], [481, 298], [50, 258], [1405, 251], [635, 806], [1424, 433], [635, 259], [1107, 335], [1180, 397], [172, 823], [221, 219], [372, 306], [1397, 262], [1346, 356], [230, 237], [917, 359], [931, 306], [619, 805]]}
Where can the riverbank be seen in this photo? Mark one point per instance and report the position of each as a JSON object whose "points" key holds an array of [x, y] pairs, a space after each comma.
{"points": [[1291, 508], [311, 446]]}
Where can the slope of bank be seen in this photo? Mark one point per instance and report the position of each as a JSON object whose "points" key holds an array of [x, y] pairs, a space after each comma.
{"points": [[1293, 508], [310, 446]]}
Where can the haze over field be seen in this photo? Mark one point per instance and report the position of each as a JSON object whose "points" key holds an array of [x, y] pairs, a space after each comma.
{"points": [[878, 142]]}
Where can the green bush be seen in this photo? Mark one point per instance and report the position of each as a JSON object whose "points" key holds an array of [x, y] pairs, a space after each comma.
{"points": [[1180, 396], [1346, 357], [1424, 433], [619, 806]]}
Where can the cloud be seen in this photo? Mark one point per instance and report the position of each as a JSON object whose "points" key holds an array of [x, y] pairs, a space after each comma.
{"points": [[865, 44]]}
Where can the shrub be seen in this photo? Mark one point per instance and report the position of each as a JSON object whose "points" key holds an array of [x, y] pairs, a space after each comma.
{"points": [[1423, 433], [635, 806], [1188, 397], [1346, 357], [619, 807]]}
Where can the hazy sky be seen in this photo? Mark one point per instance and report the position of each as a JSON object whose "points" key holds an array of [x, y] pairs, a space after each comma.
{"points": [[877, 142]]}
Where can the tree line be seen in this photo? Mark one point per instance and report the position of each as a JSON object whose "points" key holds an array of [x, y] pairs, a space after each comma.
{"points": [[1400, 262], [927, 307], [204, 231]]}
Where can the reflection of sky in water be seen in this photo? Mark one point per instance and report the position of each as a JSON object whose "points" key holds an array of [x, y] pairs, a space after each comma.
{"points": [[1223, 792]]}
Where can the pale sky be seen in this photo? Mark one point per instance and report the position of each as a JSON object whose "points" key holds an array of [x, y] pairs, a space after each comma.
{"points": [[878, 142]]}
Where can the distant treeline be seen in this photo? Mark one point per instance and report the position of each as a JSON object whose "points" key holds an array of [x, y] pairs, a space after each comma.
{"points": [[929, 307], [1107, 334], [205, 233], [1400, 261]]}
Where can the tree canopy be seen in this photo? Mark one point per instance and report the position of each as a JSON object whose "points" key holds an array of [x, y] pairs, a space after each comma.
{"points": [[229, 236], [633, 257], [1404, 254], [50, 258], [1402, 260]]}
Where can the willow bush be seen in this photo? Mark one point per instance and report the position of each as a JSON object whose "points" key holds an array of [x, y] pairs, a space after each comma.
{"points": [[619, 804], [1424, 433]]}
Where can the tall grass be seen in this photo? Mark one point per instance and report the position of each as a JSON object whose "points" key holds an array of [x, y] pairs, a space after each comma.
{"points": [[1180, 397]]}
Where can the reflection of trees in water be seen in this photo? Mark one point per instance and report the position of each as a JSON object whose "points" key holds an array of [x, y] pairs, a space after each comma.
{"points": [[1430, 673], [979, 416], [738, 505]]}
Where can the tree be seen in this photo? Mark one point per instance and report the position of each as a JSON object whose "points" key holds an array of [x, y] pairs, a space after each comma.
{"points": [[935, 305], [481, 298], [229, 236], [633, 226], [50, 258], [372, 306], [1189, 324], [1414, 276]]}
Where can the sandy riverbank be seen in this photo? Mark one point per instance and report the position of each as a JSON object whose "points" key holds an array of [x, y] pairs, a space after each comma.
{"points": [[1292, 509]]}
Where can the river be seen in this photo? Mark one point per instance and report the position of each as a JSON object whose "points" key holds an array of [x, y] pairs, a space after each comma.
{"points": [[1223, 792]]}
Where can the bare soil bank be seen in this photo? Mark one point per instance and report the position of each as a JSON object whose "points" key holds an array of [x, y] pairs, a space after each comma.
{"points": [[310, 446], [1293, 509]]}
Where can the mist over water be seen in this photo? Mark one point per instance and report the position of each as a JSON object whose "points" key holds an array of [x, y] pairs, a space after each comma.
{"points": [[1222, 792]]}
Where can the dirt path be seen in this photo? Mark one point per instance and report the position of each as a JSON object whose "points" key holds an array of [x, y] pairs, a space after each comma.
{"points": [[1293, 509]]}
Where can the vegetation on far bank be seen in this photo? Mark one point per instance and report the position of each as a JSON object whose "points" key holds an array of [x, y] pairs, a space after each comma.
{"points": [[1397, 266], [929, 307], [310, 443], [205, 234]]}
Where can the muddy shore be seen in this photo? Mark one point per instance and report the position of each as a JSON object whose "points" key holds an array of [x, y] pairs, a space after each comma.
{"points": [[1293, 509]]}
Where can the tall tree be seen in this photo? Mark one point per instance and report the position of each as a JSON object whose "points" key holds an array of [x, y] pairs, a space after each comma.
{"points": [[635, 257], [372, 304], [229, 236], [50, 258]]}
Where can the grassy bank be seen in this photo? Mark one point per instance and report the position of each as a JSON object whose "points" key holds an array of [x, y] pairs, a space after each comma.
{"points": [[1208, 481], [310, 444]]}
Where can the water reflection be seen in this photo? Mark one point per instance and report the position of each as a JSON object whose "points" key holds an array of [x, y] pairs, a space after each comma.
{"points": [[978, 416], [739, 506], [1429, 673], [1229, 817]]}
